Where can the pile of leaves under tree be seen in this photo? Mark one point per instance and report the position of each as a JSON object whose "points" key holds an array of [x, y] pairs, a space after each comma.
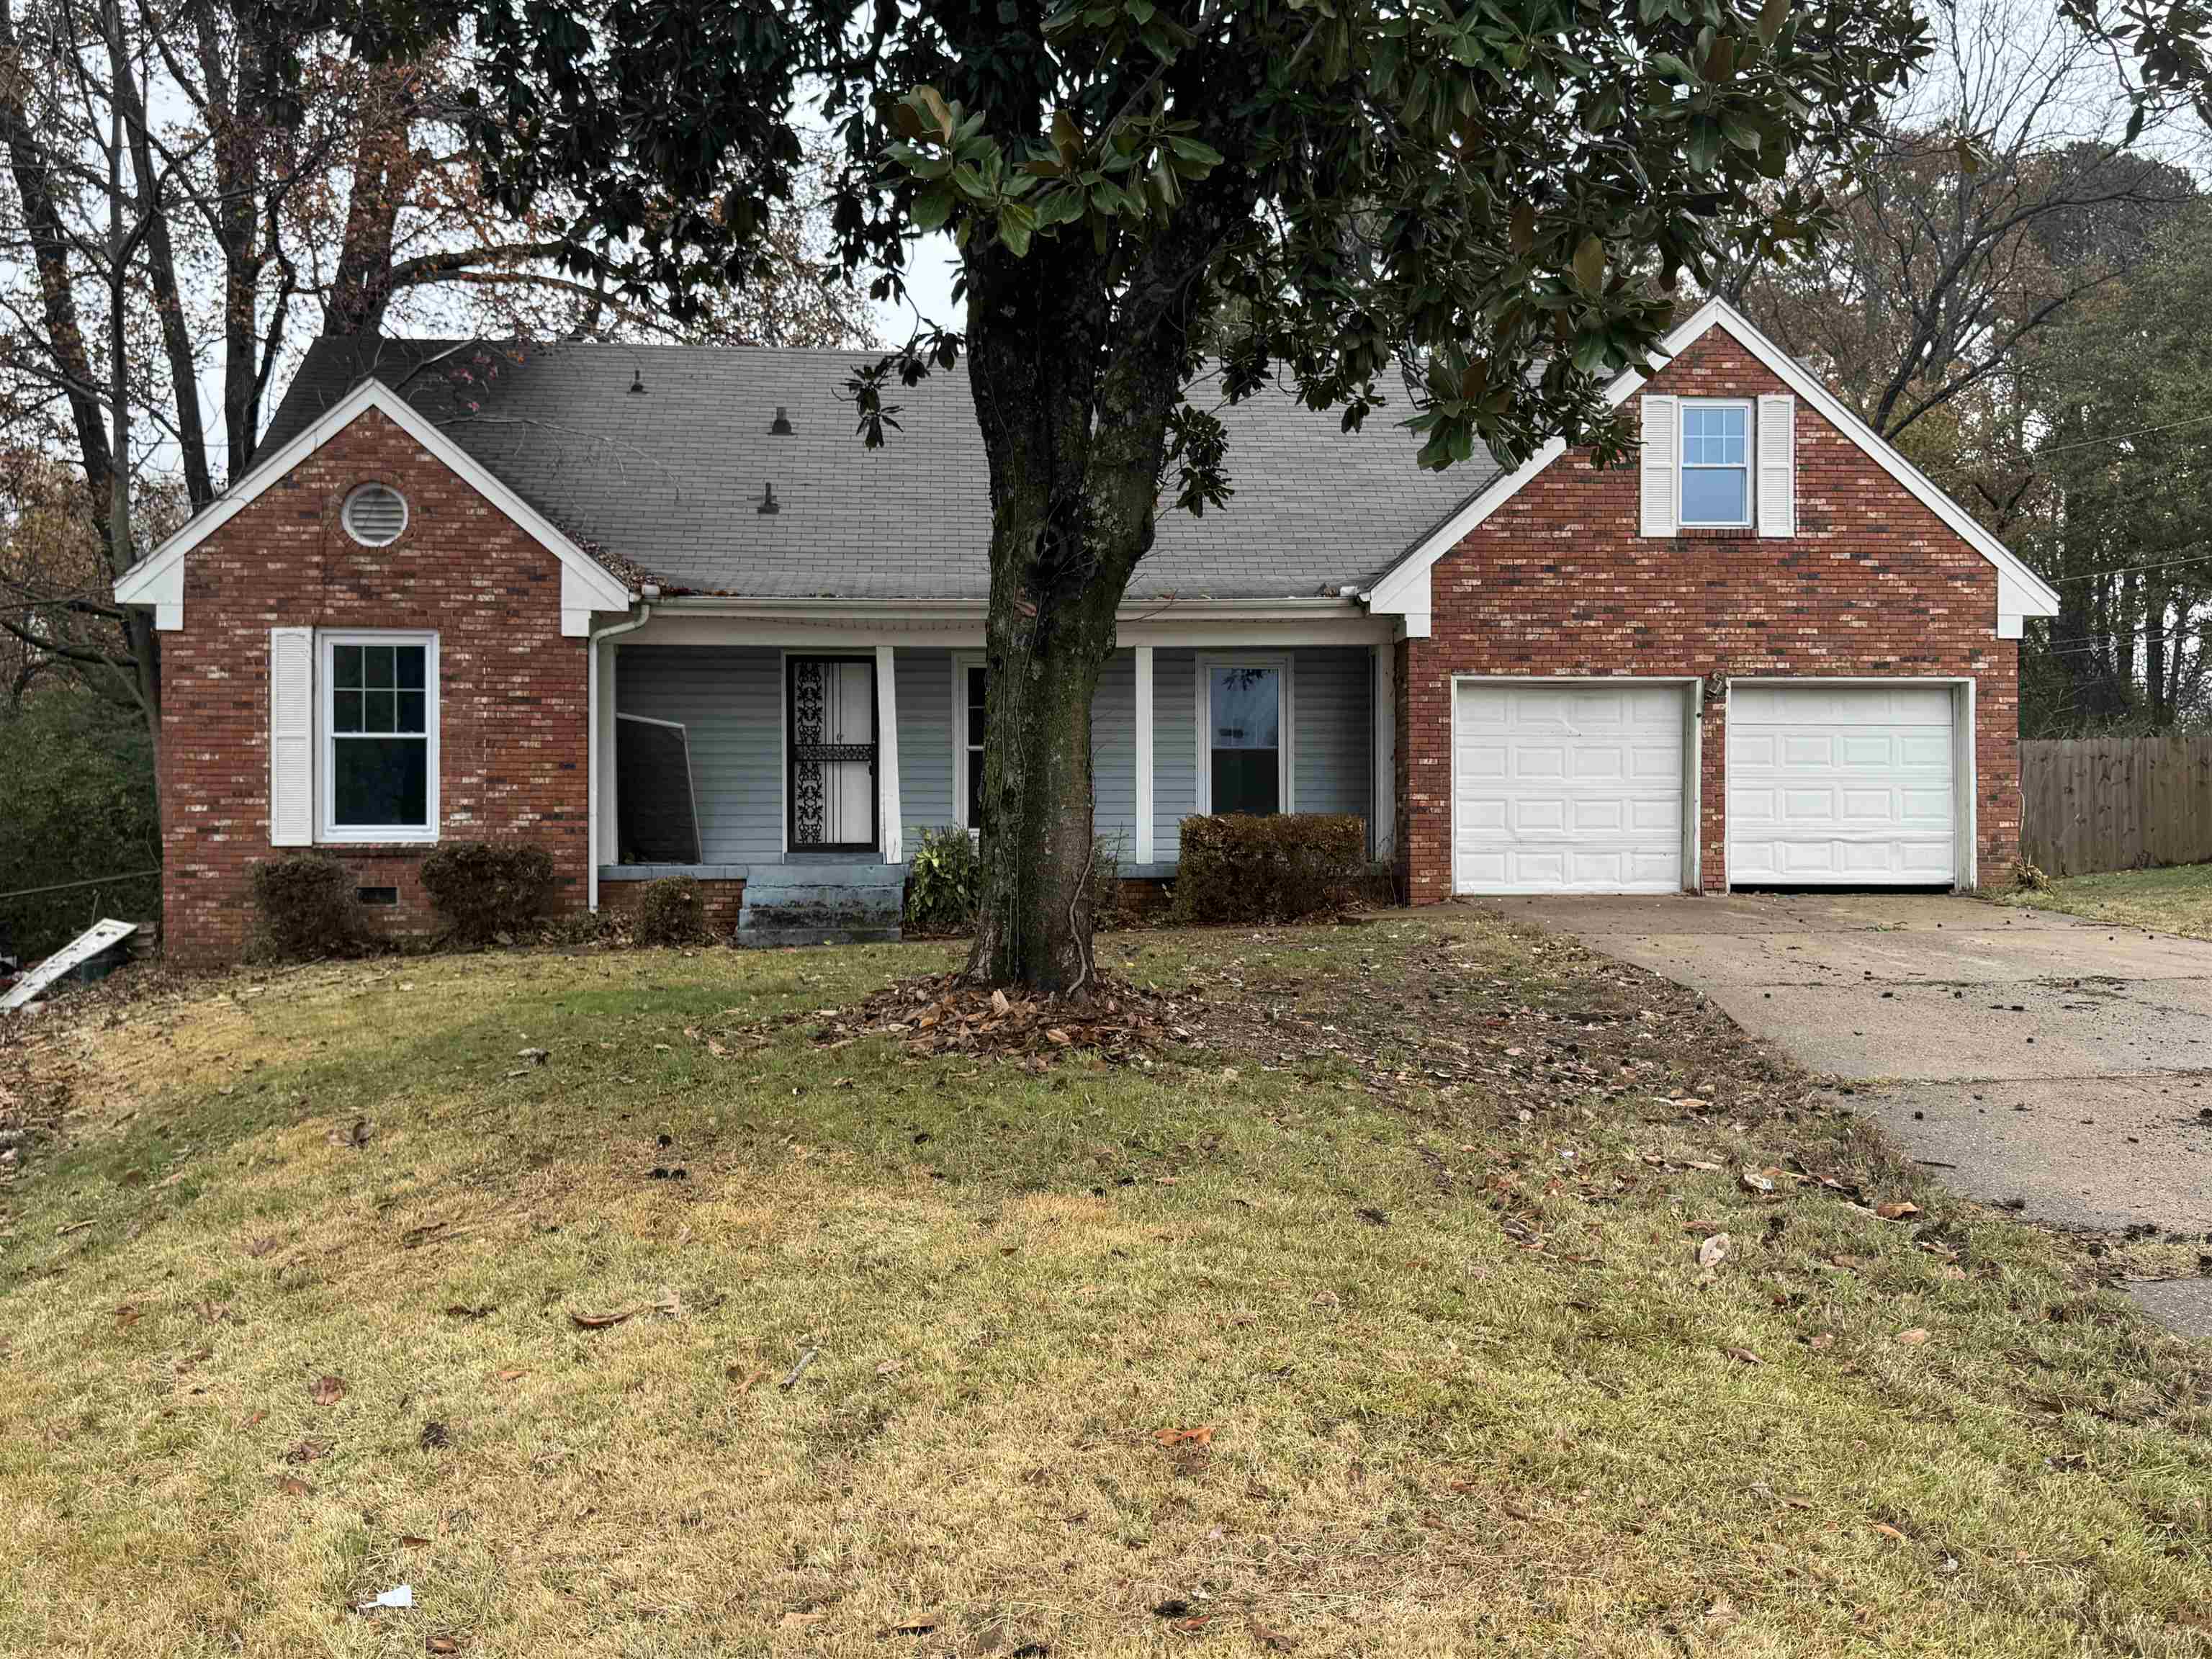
{"points": [[1481, 212], [309, 906], [492, 892], [1237, 867]]}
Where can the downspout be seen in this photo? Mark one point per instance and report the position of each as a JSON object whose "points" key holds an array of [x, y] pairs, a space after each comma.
{"points": [[593, 757]]}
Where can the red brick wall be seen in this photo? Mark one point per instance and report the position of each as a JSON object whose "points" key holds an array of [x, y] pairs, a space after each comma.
{"points": [[511, 690], [1557, 581], [721, 898]]}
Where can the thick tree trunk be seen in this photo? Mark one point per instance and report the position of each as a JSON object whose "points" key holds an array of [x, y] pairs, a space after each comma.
{"points": [[1075, 377]]}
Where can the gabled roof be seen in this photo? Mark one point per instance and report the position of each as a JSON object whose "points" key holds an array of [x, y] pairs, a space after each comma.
{"points": [[1403, 589], [668, 480], [587, 584]]}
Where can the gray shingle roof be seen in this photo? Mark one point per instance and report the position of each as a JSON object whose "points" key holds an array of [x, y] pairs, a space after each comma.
{"points": [[668, 480]]}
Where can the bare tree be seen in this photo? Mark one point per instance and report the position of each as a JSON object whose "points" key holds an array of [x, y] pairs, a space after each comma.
{"points": [[2005, 185]]}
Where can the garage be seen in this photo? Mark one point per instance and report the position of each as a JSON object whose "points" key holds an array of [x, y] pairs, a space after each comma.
{"points": [[1568, 786], [1842, 785]]}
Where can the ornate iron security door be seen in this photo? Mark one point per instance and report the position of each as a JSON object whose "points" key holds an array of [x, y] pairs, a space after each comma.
{"points": [[832, 747]]}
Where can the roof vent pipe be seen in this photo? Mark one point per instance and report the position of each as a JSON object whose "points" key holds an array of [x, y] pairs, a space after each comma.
{"points": [[768, 500], [781, 426], [636, 382]]}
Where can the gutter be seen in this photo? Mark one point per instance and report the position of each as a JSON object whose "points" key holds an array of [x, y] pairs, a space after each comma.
{"points": [[640, 615]]}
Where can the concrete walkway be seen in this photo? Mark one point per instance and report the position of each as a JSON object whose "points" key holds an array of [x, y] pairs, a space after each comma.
{"points": [[2027, 1056]]}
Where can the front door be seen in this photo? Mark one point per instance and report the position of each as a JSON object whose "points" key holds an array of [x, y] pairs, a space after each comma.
{"points": [[832, 745]]}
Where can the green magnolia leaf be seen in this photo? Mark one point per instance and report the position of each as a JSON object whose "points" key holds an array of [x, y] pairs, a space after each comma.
{"points": [[1590, 264], [931, 210], [1016, 224], [1771, 16]]}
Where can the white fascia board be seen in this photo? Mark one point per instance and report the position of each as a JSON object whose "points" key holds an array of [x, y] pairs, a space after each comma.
{"points": [[958, 624], [158, 579], [1404, 589]]}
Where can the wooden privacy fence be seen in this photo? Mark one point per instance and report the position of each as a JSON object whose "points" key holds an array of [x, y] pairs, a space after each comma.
{"points": [[2090, 803]]}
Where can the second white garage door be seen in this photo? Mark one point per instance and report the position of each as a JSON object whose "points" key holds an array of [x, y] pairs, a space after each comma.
{"points": [[1567, 788], [1850, 786]]}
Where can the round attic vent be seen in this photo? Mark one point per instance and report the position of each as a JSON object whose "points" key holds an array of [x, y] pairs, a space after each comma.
{"points": [[375, 514]]}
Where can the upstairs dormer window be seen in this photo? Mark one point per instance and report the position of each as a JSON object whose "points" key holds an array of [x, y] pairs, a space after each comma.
{"points": [[1715, 464]]}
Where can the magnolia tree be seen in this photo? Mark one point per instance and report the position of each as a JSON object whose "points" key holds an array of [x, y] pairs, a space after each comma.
{"points": [[1464, 217]]}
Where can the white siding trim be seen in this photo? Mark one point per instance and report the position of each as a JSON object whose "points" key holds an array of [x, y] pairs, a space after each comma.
{"points": [[1142, 719], [1659, 480], [891, 822], [1382, 824], [291, 737], [1774, 451], [962, 662]]}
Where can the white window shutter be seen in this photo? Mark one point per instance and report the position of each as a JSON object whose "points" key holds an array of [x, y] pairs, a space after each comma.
{"points": [[291, 737], [1777, 465], [1662, 442]]}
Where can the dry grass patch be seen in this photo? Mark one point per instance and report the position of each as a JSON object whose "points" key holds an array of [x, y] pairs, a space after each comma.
{"points": [[1370, 1322]]}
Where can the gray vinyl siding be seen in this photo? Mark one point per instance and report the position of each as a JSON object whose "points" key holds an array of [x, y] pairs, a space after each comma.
{"points": [[730, 700], [924, 740], [1175, 750], [1332, 695], [1113, 752]]}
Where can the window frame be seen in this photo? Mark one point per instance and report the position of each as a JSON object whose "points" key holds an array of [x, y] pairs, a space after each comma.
{"points": [[327, 829], [963, 661], [1202, 695], [1684, 466]]}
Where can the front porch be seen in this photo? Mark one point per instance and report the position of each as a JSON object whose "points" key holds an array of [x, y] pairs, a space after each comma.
{"points": [[793, 769]]}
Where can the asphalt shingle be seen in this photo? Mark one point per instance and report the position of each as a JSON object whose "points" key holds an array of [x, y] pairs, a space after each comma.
{"points": [[670, 478]]}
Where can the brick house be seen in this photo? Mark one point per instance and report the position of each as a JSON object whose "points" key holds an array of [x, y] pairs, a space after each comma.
{"points": [[656, 609]]}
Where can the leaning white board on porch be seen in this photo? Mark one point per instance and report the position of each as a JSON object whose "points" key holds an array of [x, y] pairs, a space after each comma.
{"points": [[82, 949]]}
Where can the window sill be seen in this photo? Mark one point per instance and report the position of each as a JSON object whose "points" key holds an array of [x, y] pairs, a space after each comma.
{"points": [[379, 846], [1714, 532]]}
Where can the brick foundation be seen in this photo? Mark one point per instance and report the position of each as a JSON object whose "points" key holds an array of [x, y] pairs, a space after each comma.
{"points": [[1558, 582], [512, 688]]}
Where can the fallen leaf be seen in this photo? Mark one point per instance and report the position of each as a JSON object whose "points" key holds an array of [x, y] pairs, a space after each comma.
{"points": [[512, 1373], [1754, 1182], [1823, 1340], [128, 1314], [1890, 1532], [1744, 1356], [441, 1644], [1269, 1638], [797, 1621], [1896, 1212], [413, 1541], [744, 1379], [1200, 1435], [261, 1247], [599, 1321], [327, 1390], [306, 1451], [462, 1310], [292, 1486], [891, 1368], [1914, 1337], [1713, 1251], [1057, 1037], [434, 1436], [920, 1623]]}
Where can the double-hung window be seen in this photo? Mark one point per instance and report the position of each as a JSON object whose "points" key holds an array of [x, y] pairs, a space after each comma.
{"points": [[379, 736], [1715, 462], [1245, 766], [970, 680]]}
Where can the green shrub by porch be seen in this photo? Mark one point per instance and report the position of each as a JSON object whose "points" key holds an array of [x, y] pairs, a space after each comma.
{"points": [[944, 875], [1238, 867], [673, 911], [487, 888]]}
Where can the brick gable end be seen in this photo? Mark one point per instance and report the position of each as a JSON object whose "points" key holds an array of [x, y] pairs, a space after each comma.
{"points": [[512, 736], [1558, 581]]}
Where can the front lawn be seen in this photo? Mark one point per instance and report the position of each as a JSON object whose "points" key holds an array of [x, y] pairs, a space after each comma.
{"points": [[1368, 1318], [2174, 900]]}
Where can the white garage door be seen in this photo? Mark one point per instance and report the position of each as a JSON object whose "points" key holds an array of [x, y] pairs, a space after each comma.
{"points": [[1841, 786], [1567, 788]]}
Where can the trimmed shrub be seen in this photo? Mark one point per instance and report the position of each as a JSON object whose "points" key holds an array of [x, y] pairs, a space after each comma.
{"points": [[1237, 867], [673, 911], [943, 881], [487, 889], [308, 904]]}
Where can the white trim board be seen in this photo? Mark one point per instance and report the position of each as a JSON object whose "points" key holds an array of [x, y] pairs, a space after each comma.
{"points": [[158, 579], [1404, 589]]}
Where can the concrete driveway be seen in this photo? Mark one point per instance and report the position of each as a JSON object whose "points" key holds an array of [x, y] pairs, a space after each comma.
{"points": [[2027, 1056]]}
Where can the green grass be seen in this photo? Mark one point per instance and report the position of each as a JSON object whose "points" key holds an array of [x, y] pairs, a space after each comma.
{"points": [[2175, 900], [1412, 1223]]}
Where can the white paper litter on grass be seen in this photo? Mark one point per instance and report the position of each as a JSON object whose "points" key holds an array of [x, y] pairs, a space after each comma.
{"points": [[399, 1595]]}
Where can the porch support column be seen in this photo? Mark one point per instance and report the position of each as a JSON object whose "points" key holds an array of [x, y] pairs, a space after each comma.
{"points": [[1143, 851], [1383, 826], [599, 771], [887, 760]]}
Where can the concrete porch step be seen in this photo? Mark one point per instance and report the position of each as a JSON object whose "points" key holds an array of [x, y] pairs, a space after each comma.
{"points": [[775, 939]]}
